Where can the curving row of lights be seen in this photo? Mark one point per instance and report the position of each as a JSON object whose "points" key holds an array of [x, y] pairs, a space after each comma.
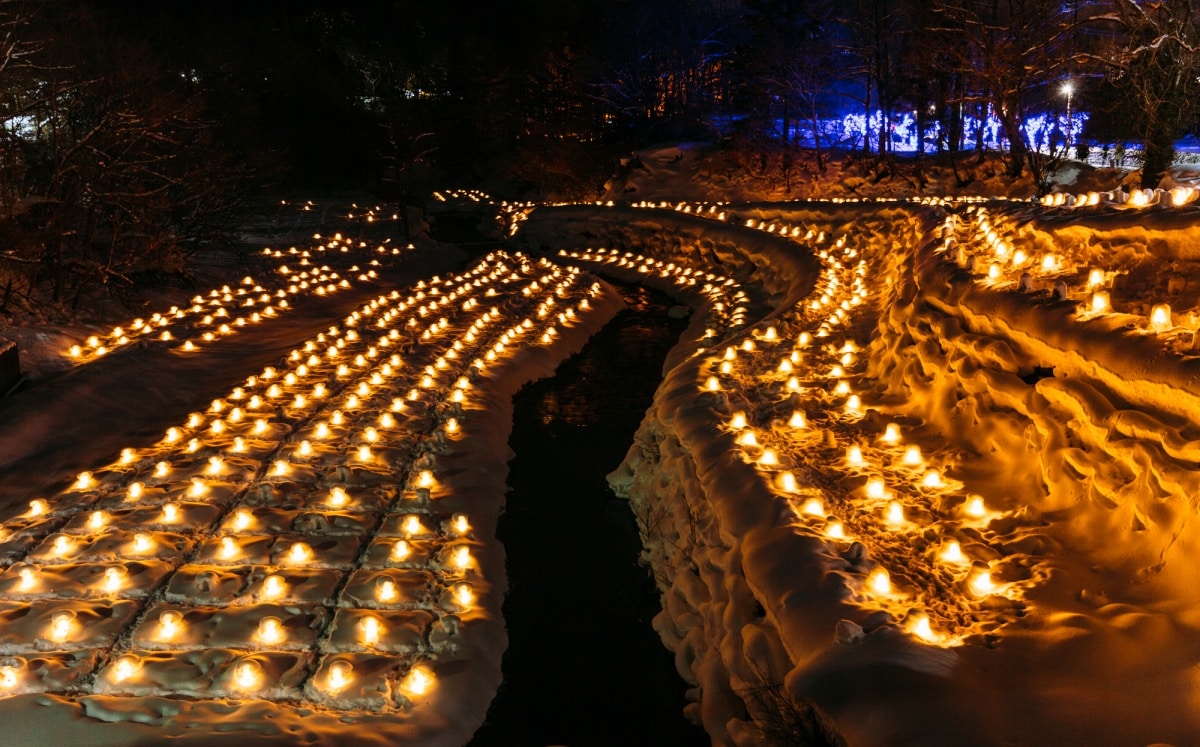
{"points": [[239, 534], [226, 310]]}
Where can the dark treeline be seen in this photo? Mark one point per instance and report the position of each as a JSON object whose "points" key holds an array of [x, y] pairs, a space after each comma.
{"points": [[134, 131]]}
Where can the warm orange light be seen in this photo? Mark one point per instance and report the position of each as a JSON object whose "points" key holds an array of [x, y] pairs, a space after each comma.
{"points": [[299, 552], [170, 624], [981, 583], [274, 587], [142, 543], [62, 624], [952, 553], [125, 667], [370, 628], [114, 580], [385, 590], [247, 675], [418, 682], [339, 676], [270, 631], [879, 580]]}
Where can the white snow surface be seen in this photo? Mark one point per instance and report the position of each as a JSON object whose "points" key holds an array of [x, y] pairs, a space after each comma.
{"points": [[111, 527], [1036, 550], [918, 473]]}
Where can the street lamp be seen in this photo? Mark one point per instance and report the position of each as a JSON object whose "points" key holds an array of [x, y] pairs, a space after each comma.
{"points": [[1068, 89]]}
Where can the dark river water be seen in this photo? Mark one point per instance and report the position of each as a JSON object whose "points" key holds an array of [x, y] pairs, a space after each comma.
{"points": [[584, 666]]}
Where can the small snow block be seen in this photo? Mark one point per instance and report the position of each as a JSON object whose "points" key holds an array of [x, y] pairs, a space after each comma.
{"points": [[10, 365], [849, 632]]}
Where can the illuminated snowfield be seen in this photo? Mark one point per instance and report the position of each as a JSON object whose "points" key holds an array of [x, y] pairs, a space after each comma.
{"points": [[928, 467]]}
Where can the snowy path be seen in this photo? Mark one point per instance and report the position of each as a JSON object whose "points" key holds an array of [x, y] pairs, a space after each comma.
{"points": [[926, 468], [940, 506], [308, 540]]}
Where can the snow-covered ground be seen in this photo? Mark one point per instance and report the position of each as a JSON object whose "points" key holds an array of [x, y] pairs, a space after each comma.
{"points": [[919, 472], [286, 533], [936, 502]]}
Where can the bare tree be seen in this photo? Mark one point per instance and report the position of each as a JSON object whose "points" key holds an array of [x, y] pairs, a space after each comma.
{"points": [[1154, 62]]}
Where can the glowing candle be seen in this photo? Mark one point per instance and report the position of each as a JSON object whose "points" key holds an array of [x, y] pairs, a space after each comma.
{"points": [[932, 479], [242, 519], [461, 557], [418, 682], [127, 456], [747, 438], [29, 579], [854, 456], [338, 496], [142, 543], [463, 595], [876, 488], [369, 630], [912, 456], [787, 481], [835, 530], [279, 468], [952, 553], [879, 580], [813, 507], [247, 675], [400, 551], [385, 590], [918, 625], [9, 676], [273, 587], [891, 434], [215, 465], [299, 552], [974, 507], [1160, 318], [339, 676], [425, 479], [412, 525], [62, 623], [980, 582], [270, 631], [198, 488], [114, 579], [83, 481], [62, 545], [305, 448], [170, 513], [895, 513], [125, 667], [364, 453], [1100, 302], [96, 520], [38, 507]]}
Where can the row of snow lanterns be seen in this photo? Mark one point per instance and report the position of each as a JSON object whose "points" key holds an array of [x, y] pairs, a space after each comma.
{"points": [[225, 310], [884, 503], [1137, 198], [1008, 260], [300, 553], [726, 298], [463, 195], [368, 214]]}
